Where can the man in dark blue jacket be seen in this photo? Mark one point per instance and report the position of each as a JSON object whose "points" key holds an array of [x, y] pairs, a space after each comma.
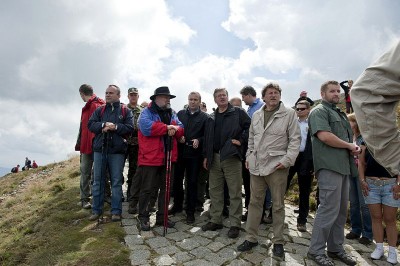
{"points": [[111, 123]]}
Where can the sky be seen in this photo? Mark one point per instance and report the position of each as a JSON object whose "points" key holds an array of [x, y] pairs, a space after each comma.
{"points": [[49, 48]]}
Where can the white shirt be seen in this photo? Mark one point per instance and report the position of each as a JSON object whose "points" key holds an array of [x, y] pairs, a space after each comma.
{"points": [[303, 132]]}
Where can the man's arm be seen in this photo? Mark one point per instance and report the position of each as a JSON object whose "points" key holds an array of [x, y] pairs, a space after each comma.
{"points": [[332, 140]]}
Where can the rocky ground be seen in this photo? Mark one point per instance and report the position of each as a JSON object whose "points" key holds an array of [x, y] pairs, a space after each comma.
{"points": [[189, 245]]}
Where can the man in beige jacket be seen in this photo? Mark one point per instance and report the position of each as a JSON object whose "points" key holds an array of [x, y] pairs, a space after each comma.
{"points": [[274, 141]]}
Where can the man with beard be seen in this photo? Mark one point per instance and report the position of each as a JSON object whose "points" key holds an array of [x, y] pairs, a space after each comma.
{"points": [[157, 124], [333, 150]]}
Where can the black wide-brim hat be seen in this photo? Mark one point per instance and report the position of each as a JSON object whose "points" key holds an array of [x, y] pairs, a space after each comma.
{"points": [[162, 91]]}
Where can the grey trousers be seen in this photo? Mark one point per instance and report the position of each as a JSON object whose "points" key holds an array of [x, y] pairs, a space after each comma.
{"points": [[328, 229], [375, 97], [86, 175]]}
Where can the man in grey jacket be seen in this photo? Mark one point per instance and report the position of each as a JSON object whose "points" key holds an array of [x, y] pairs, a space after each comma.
{"points": [[274, 140]]}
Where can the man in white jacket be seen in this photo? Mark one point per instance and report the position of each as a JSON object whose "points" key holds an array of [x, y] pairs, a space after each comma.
{"points": [[274, 141]]}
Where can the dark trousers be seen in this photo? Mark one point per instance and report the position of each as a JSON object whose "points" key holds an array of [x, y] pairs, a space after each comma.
{"points": [[133, 184], [246, 184], [153, 179], [188, 168], [304, 179]]}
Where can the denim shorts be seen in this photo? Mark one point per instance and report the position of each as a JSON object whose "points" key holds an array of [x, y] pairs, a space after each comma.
{"points": [[381, 194]]}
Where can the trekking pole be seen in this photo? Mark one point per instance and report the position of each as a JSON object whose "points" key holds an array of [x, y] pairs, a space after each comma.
{"points": [[104, 153], [167, 183]]}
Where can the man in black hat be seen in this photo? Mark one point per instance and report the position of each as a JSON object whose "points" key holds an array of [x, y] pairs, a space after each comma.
{"points": [[157, 123]]}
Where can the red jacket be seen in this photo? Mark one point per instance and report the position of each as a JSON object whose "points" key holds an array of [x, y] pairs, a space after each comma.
{"points": [[151, 138], [85, 138]]}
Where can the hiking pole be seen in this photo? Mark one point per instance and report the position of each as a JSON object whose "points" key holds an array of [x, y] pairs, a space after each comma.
{"points": [[104, 157], [167, 183]]}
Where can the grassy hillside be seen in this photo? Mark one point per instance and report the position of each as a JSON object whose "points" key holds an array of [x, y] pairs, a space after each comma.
{"points": [[41, 223]]}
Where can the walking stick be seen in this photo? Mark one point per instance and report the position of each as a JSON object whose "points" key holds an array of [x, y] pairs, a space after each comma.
{"points": [[104, 156], [167, 183]]}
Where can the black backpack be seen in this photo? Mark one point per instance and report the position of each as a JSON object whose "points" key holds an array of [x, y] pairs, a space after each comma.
{"points": [[14, 170]]}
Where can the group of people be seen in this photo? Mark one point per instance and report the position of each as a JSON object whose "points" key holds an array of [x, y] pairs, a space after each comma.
{"points": [[28, 165], [261, 149]]}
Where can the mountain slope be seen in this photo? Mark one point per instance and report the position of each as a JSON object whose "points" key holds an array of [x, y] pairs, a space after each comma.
{"points": [[41, 223]]}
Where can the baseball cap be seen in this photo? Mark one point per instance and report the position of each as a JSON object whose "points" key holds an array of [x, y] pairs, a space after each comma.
{"points": [[133, 90]]}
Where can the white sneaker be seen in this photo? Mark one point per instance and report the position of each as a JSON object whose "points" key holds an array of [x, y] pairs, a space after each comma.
{"points": [[377, 254], [392, 257]]}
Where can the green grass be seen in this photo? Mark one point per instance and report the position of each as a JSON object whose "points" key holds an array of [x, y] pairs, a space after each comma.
{"points": [[43, 225]]}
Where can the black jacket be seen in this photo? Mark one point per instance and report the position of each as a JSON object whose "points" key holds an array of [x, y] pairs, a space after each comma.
{"points": [[235, 125], [194, 125], [114, 141]]}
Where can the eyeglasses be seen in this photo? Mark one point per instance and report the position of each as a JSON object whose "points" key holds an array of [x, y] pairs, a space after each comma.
{"points": [[300, 109]]}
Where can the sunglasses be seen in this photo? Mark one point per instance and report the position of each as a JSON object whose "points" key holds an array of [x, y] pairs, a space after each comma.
{"points": [[300, 109]]}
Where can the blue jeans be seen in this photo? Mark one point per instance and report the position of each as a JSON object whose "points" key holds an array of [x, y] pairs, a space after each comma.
{"points": [[359, 213], [115, 164]]}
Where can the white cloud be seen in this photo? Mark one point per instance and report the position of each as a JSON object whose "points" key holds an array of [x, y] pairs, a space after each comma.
{"points": [[54, 47]]}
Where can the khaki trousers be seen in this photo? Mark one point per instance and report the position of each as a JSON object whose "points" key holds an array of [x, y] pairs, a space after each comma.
{"points": [[375, 96], [258, 184], [231, 171]]}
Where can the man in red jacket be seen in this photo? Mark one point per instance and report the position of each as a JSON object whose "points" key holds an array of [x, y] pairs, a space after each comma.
{"points": [[157, 123], [84, 142]]}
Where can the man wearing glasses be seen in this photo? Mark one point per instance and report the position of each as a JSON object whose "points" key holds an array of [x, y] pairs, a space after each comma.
{"points": [[303, 165]]}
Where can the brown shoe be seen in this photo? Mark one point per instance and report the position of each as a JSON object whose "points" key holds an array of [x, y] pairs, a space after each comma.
{"points": [[116, 218], [301, 228], [233, 232], [94, 217]]}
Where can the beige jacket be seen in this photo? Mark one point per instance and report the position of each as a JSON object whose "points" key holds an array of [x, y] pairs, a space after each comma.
{"points": [[278, 142], [375, 97]]}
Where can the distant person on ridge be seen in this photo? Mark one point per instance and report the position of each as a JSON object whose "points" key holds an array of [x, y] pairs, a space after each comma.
{"points": [[27, 163], [34, 164], [84, 142], [15, 169], [111, 123]]}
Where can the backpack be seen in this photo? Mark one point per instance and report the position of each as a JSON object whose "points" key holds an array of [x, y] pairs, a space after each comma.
{"points": [[14, 170], [123, 110]]}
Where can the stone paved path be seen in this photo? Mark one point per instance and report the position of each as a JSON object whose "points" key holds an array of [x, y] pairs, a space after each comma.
{"points": [[189, 245]]}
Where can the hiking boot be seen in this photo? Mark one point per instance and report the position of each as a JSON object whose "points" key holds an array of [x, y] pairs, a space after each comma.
{"points": [[94, 217], [377, 254], [278, 250], [86, 205], [343, 257], [133, 209], [247, 245], [352, 235], [190, 218], [210, 226], [320, 260], [301, 228], [174, 210], [170, 224], [365, 241], [144, 226], [116, 218], [392, 257], [233, 232]]}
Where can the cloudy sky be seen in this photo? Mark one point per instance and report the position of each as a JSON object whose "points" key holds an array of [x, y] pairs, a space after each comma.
{"points": [[49, 48]]}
